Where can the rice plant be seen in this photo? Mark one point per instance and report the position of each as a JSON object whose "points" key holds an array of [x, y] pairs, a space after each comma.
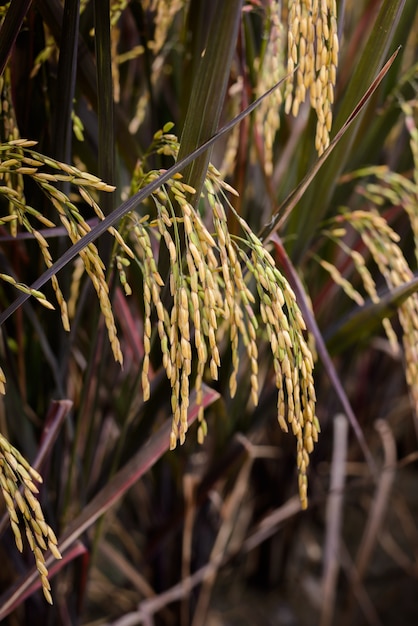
{"points": [[207, 224]]}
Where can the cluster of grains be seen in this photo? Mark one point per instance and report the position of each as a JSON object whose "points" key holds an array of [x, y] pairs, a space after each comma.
{"points": [[238, 298], [24, 289], [269, 71], [345, 284], [152, 288], [368, 282], [391, 188], [383, 244], [387, 188], [292, 357], [208, 294], [14, 165], [17, 485], [313, 51], [186, 317], [19, 159]]}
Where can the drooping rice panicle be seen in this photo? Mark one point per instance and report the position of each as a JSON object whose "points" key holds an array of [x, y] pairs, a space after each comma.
{"points": [[17, 483], [209, 293], [313, 57]]}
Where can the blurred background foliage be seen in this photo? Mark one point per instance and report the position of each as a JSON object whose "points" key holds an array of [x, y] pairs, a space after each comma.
{"points": [[214, 533]]}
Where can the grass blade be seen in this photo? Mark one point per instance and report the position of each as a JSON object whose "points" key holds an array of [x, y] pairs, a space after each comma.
{"points": [[209, 89], [10, 29], [67, 68], [105, 98]]}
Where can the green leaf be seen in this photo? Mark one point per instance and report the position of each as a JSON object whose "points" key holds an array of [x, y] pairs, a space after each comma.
{"points": [[209, 88], [67, 69], [10, 29], [105, 98]]}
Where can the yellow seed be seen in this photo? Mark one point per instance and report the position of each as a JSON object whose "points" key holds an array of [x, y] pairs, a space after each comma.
{"points": [[42, 569], [183, 321], [318, 26], [188, 226], [328, 122], [296, 428], [213, 370], [200, 435], [294, 53], [282, 423], [186, 350], [146, 391], [5, 490], [173, 252], [47, 594], [295, 107], [233, 384], [160, 311], [221, 236], [303, 27], [20, 502], [183, 298], [309, 444], [18, 536], [54, 550], [324, 57]]}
